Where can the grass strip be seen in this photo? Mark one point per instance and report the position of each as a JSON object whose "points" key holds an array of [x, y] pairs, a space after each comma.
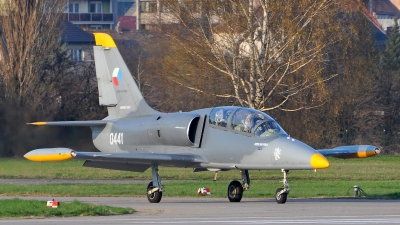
{"points": [[377, 176], [375, 168], [309, 188], [12, 208]]}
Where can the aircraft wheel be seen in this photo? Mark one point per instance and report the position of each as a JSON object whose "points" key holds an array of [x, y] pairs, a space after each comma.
{"points": [[154, 197], [280, 199], [235, 191]]}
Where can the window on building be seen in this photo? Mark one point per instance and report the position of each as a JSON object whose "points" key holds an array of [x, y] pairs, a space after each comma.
{"points": [[73, 7], [77, 55], [96, 27], [149, 7], [164, 8], [95, 7]]}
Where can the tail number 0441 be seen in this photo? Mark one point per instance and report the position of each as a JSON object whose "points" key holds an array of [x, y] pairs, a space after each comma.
{"points": [[116, 138]]}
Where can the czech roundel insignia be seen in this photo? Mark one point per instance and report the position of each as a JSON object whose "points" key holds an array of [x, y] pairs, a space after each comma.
{"points": [[116, 76]]}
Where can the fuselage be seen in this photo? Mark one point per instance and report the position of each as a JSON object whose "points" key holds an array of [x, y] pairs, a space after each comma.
{"points": [[228, 137]]}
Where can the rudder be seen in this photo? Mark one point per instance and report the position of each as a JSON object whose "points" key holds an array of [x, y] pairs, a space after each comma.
{"points": [[117, 88]]}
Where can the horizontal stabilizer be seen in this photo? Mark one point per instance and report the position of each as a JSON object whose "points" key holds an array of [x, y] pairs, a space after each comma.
{"points": [[86, 123], [351, 151], [121, 161]]}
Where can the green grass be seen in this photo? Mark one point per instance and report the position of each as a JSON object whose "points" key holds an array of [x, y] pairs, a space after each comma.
{"points": [[372, 169], [259, 189], [379, 177], [11, 208]]}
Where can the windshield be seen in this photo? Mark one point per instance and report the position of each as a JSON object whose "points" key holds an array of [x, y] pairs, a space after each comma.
{"points": [[245, 119], [268, 128]]}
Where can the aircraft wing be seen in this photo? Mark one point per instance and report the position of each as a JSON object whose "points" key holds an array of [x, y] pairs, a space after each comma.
{"points": [[138, 162], [71, 123], [351, 151]]}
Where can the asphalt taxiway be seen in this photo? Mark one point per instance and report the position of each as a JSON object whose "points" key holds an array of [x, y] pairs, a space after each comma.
{"points": [[209, 210]]}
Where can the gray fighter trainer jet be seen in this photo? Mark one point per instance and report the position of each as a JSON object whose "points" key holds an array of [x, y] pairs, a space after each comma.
{"points": [[135, 137]]}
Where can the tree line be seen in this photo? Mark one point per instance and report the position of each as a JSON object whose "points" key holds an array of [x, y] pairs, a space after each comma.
{"points": [[39, 81], [315, 66], [312, 65]]}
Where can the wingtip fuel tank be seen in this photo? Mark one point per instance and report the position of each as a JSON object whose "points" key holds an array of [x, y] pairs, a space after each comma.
{"points": [[351, 151], [37, 123], [50, 154]]}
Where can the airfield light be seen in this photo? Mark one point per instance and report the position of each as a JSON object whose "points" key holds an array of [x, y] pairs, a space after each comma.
{"points": [[356, 189]]}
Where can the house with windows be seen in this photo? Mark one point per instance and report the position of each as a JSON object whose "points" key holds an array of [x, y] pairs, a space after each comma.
{"points": [[384, 11], [78, 42], [109, 14], [92, 14], [152, 12]]}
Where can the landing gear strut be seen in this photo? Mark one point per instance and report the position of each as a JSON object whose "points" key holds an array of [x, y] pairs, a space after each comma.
{"points": [[235, 188], [281, 193], [155, 188]]}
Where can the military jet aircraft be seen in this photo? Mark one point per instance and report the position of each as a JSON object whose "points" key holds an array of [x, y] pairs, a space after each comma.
{"points": [[135, 137]]}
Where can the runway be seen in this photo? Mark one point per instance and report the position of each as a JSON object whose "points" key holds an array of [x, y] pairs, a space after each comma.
{"points": [[208, 210]]}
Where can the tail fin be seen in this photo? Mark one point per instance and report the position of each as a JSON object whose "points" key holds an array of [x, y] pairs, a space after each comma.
{"points": [[117, 89]]}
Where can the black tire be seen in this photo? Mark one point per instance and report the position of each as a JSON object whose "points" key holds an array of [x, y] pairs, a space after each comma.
{"points": [[280, 199], [235, 191], [154, 197]]}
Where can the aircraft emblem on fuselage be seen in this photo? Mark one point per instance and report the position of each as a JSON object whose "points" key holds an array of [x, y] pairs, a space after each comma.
{"points": [[277, 153]]}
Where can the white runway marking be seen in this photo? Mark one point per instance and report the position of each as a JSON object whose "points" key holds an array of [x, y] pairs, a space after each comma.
{"points": [[199, 211], [390, 219]]}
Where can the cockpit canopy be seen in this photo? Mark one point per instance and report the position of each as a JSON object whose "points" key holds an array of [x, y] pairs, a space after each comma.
{"points": [[245, 120]]}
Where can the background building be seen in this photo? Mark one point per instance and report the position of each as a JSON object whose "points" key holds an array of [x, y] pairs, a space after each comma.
{"points": [[92, 14], [384, 11]]}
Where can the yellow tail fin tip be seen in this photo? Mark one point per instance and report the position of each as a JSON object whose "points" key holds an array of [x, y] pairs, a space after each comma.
{"points": [[104, 40]]}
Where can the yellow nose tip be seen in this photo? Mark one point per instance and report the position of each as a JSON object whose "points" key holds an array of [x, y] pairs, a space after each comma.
{"points": [[318, 161]]}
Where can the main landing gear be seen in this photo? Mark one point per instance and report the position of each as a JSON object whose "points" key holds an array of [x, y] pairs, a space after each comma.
{"points": [[235, 188], [155, 188], [282, 193]]}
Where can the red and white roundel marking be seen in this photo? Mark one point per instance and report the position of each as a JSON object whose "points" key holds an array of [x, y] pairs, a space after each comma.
{"points": [[117, 76]]}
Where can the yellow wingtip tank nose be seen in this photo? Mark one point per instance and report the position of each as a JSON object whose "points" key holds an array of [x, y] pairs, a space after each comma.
{"points": [[49, 155], [37, 123], [318, 161]]}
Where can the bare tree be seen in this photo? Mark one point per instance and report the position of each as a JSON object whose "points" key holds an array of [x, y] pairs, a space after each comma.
{"points": [[30, 48], [78, 94], [38, 80], [274, 53]]}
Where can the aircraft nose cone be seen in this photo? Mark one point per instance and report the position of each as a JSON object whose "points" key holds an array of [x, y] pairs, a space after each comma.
{"points": [[318, 161]]}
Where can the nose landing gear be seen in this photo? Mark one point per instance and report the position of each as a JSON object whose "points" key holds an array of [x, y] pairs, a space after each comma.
{"points": [[281, 193]]}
